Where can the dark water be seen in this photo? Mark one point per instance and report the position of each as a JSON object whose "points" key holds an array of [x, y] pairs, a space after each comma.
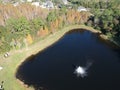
{"points": [[53, 68]]}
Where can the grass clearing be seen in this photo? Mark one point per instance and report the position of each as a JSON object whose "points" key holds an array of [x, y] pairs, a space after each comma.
{"points": [[10, 64]]}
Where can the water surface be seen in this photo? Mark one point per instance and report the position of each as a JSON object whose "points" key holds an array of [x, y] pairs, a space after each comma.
{"points": [[53, 68]]}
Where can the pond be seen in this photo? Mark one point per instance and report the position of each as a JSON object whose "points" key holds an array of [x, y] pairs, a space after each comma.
{"points": [[54, 68]]}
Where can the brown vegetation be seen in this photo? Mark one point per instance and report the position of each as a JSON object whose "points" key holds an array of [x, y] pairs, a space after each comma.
{"points": [[30, 12]]}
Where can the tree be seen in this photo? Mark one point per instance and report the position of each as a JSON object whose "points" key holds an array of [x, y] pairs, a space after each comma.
{"points": [[37, 23], [4, 40], [19, 26], [29, 39], [51, 16]]}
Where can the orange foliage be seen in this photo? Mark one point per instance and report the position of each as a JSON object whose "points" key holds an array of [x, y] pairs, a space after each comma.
{"points": [[27, 10], [77, 17], [56, 24], [70, 16], [84, 17], [60, 19], [43, 31]]}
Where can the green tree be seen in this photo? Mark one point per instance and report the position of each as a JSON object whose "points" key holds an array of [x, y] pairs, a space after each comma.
{"points": [[4, 40], [20, 26], [51, 16], [37, 23]]}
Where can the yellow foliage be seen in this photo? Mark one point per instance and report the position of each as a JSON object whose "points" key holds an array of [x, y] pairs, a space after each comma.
{"points": [[60, 20], [46, 30], [29, 39]]}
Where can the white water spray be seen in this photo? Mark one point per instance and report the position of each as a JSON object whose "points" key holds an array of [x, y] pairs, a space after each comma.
{"points": [[82, 71]]}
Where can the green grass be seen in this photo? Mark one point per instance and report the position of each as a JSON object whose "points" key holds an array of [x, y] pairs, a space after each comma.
{"points": [[10, 64]]}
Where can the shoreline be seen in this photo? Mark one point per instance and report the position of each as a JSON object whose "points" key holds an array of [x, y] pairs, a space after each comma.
{"points": [[64, 32], [19, 56]]}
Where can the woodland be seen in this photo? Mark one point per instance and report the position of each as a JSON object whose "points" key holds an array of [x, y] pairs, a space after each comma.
{"points": [[25, 24]]}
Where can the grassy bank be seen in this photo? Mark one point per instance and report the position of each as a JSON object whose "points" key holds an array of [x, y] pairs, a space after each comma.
{"points": [[10, 64]]}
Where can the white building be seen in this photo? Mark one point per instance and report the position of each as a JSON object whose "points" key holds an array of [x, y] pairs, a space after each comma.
{"points": [[36, 4], [16, 4], [49, 4], [81, 8], [43, 5], [22, 1], [29, 0], [65, 2]]}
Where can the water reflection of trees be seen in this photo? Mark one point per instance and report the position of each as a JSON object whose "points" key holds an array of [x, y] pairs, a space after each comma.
{"points": [[76, 31]]}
